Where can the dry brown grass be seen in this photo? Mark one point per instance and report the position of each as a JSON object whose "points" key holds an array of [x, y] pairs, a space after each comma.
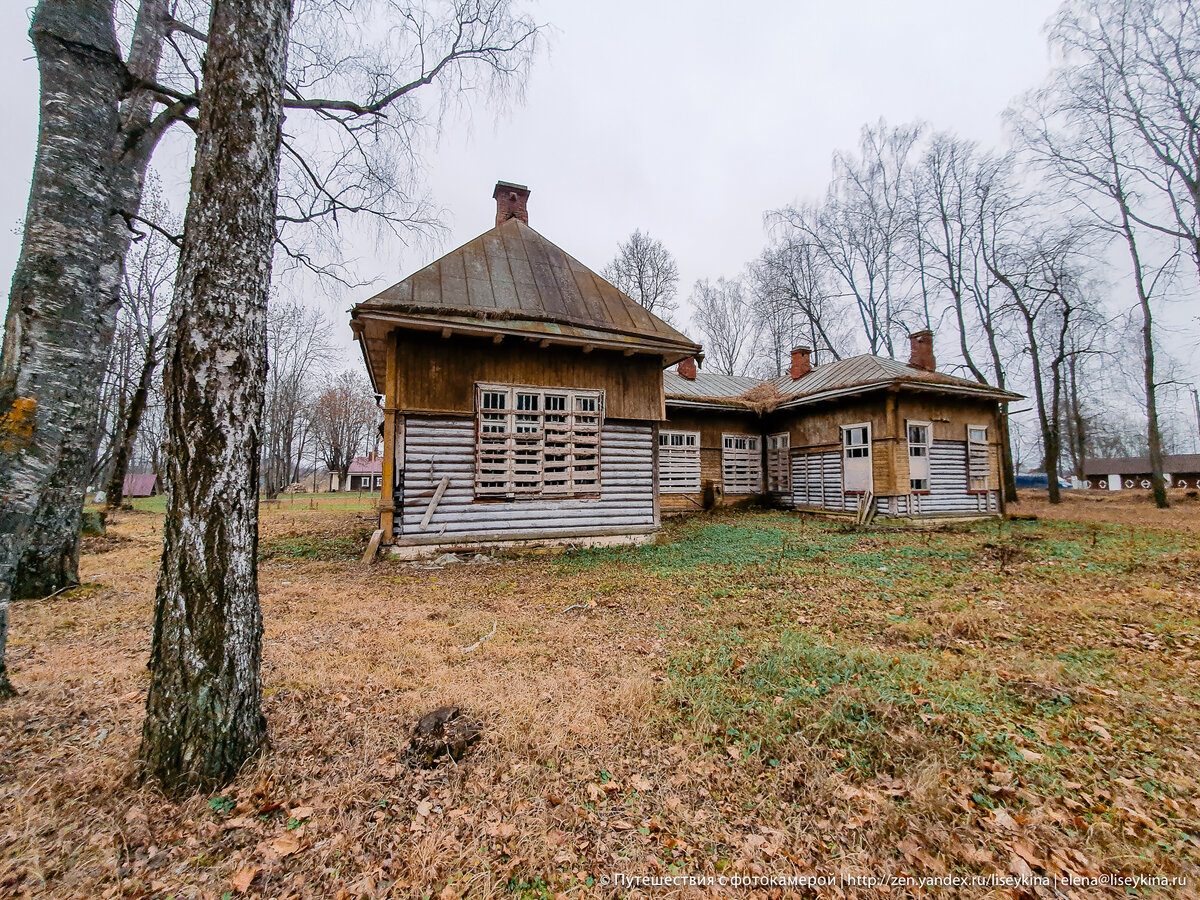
{"points": [[601, 752]]}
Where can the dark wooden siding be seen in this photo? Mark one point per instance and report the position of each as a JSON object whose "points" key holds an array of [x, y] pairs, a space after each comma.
{"points": [[438, 375]]}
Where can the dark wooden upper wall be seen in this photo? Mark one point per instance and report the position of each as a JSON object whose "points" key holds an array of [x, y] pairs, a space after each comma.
{"points": [[438, 375]]}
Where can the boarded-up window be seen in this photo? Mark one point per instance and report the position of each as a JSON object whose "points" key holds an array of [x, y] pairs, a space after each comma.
{"points": [[918, 456], [741, 464], [779, 463], [537, 442], [679, 462], [977, 458]]}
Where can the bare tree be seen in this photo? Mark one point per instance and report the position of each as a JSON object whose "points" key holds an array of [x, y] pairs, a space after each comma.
{"points": [[1149, 53], [1074, 127], [344, 416], [203, 717], [794, 300], [298, 346], [722, 313], [353, 84], [1043, 280], [858, 230], [964, 207], [646, 271], [148, 273]]}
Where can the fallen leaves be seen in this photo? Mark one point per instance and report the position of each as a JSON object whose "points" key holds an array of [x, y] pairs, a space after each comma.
{"points": [[285, 844], [244, 877]]}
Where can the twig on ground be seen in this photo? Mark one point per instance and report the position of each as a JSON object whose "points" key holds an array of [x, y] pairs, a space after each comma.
{"points": [[588, 605], [475, 645], [61, 590]]}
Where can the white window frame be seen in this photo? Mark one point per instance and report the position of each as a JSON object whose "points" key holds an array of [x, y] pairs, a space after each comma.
{"points": [[779, 463], [847, 447], [978, 460], [741, 464], [537, 442], [678, 462], [918, 461]]}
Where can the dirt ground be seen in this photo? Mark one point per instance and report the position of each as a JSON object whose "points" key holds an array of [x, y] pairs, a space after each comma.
{"points": [[1118, 507], [760, 695]]}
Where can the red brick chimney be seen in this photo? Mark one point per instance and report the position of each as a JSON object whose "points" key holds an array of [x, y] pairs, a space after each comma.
{"points": [[510, 202], [801, 362], [687, 368], [921, 356]]}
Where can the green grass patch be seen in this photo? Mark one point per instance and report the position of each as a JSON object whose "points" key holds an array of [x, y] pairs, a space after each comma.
{"points": [[330, 547]]}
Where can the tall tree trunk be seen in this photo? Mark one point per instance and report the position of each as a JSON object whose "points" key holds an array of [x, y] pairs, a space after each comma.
{"points": [[129, 426], [203, 711], [63, 297], [93, 151], [1153, 434]]}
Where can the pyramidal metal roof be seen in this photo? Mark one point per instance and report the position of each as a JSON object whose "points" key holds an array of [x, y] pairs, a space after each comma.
{"points": [[515, 280]]}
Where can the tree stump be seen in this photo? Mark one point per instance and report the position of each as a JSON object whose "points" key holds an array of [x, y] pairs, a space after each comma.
{"points": [[442, 733]]}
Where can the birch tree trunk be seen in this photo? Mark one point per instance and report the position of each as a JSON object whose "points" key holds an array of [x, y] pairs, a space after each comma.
{"points": [[62, 304], [93, 149], [203, 716]]}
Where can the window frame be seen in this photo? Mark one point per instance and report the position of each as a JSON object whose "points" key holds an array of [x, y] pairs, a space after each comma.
{"points": [[751, 455], [928, 446], [973, 458], [869, 455], [513, 444], [686, 454], [779, 463]]}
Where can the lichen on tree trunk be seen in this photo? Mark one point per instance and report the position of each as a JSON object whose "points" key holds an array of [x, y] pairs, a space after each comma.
{"points": [[94, 144], [203, 710], [63, 298]]}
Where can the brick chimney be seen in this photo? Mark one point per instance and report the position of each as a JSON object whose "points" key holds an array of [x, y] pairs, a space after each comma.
{"points": [[921, 356], [801, 362], [687, 368], [510, 202]]}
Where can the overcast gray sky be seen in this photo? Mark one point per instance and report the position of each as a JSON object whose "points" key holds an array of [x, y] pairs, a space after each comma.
{"points": [[685, 119], [688, 120]]}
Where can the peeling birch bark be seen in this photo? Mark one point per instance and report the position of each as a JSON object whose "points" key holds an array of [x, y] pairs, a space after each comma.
{"points": [[94, 144], [64, 290], [203, 709]]}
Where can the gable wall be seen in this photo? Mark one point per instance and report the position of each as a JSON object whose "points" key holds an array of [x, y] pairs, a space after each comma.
{"points": [[438, 375]]}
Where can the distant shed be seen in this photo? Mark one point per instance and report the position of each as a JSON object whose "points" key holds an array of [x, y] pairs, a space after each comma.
{"points": [[1182, 470], [141, 486]]}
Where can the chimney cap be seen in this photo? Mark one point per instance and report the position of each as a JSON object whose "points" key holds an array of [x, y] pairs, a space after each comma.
{"points": [[922, 332], [509, 186], [802, 348]]}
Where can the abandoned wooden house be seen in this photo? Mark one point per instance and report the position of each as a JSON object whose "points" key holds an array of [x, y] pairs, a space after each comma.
{"points": [[522, 395], [906, 441]]}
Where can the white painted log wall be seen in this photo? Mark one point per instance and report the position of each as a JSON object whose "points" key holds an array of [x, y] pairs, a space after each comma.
{"points": [[948, 485], [441, 447]]}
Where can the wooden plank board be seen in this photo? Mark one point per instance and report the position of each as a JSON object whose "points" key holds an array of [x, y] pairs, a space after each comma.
{"points": [[437, 497]]}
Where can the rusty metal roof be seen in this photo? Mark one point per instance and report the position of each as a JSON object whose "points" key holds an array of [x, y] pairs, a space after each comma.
{"points": [[868, 370], [707, 384], [852, 375], [513, 279]]}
